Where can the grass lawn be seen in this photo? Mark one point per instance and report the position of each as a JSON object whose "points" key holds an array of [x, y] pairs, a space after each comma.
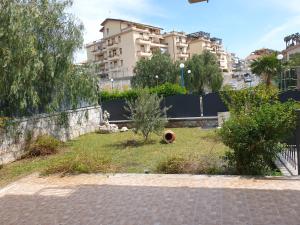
{"points": [[120, 152]]}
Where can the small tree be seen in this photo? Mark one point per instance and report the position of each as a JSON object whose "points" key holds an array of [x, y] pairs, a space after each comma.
{"points": [[146, 114]]}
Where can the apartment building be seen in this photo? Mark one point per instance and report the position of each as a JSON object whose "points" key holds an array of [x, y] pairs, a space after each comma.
{"points": [[125, 42], [202, 41], [177, 45], [292, 45], [292, 77]]}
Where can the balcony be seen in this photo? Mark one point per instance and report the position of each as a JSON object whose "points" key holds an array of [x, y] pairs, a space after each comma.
{"points": [[114, 69], [112, 45], [143, 41], [181, 44], [183, 55], [99, 61], [144, 54], [113, 57], [157, 44]]}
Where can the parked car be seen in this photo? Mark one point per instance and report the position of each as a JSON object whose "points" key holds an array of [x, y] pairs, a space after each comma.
{"points": [[247, 79]]}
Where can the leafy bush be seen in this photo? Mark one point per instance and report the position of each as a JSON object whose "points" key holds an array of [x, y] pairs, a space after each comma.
{"points": [[243, 101], [174, 165], [168, 89], [258, 124], [206, 164], [44, 145], [164, 90], [146, 114]]}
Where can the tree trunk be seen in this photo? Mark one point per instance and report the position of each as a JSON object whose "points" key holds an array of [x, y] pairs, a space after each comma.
{"points": [[268, 79]]}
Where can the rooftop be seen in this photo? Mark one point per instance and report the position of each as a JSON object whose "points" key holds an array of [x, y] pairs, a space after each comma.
{"points": [[130, 22]]}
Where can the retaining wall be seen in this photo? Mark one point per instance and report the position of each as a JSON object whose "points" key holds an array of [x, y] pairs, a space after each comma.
{"points": [[63, 126]]}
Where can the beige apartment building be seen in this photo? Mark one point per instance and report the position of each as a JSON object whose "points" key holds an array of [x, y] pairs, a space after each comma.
{"points": [[201, 41], [125, 42]]}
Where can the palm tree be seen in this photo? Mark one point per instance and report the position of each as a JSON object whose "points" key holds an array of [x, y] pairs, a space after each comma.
{"points": [[267, 66]]}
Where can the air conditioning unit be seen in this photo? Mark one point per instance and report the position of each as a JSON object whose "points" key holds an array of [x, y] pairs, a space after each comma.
{"points": [[195, 1]]}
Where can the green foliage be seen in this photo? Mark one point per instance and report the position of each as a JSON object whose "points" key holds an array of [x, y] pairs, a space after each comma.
{"points": [[167, 89], [205, 73], [146, 114], [37, 43], [163, 90], [267, 66], [44, 145], [205, 164], [62, 120], [160, 65], [257, 126], [82, 163], [243, 101], [173, 165], [294, 60], [116, 95]]}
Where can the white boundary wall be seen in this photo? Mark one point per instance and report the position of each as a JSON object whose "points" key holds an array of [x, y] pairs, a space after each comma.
{"points": [[80, 121]]}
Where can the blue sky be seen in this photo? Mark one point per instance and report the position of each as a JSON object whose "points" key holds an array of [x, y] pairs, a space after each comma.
{"points": [[244, 25]]}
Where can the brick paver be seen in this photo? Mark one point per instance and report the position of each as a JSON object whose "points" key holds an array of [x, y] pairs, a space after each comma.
{"points": [[151, 199]]}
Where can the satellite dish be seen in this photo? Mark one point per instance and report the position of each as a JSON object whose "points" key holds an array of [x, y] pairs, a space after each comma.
{"points": [[196, 1]]}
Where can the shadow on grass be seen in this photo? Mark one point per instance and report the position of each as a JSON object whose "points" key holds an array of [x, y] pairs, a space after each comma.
{"points": [[130, 144]]}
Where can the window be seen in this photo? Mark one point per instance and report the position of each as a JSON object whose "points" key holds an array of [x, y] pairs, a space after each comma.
{"points": [[119, 38], [107, 31], [120, 51], [121, 62]]}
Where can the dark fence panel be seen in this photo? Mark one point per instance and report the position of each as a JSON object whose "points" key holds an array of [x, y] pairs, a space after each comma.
{"points": [[116, 109], [183, 106], [212, 104], [291, 94]]}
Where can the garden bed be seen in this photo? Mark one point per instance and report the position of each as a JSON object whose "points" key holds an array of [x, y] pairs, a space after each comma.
{"points": [[195, 151]]}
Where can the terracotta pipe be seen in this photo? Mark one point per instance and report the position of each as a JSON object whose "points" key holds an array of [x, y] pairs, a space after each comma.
{"points": [[169, 136]]}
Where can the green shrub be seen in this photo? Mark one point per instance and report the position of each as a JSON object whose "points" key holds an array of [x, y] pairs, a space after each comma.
{"points": [[205, 164], [44, 145], [174, 165], [255, 136], [168, 89], [164, 90], [243, 101]]}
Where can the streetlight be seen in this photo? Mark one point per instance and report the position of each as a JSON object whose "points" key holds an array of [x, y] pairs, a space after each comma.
{"points": [[280, 58], [112, 83], [156, 77], [189, 72], [182, 78]]}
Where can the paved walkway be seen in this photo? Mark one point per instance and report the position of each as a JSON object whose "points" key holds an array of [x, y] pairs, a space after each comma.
{"points": [[150, 199]]}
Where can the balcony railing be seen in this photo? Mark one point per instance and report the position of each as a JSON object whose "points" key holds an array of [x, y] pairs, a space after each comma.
{"points": [[144, 54], [181, 44], [144, 41], [183, 55]]}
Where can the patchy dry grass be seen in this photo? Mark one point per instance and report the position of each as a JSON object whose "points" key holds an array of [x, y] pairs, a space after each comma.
{"points": [[200, 150]]}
